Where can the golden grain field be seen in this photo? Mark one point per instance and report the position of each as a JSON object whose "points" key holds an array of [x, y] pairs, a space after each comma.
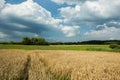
{"points": [[59, 65]]}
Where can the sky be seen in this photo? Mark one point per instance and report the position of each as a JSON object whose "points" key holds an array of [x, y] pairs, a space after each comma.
{"points": [[60, 20]]}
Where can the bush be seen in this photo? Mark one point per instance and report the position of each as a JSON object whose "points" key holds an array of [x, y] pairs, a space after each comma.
{"points": [[114, 46]]}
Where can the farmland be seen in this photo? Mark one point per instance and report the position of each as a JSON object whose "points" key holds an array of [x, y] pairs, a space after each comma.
{"points": [[61, 47], [59, 65]]}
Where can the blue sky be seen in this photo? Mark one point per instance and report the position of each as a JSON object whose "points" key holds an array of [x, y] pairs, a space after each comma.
{"points": [[60, 20]]}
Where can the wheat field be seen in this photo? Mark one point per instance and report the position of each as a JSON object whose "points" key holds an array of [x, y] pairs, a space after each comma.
{"points": [[59, 65]]}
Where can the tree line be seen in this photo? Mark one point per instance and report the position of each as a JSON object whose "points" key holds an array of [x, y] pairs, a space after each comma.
{"points": [[42, 41], [91, 42], [34, 41], [28, 41]]}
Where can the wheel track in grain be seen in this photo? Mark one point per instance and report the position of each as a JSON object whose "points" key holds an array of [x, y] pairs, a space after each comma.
{"points": [[24, 74]]}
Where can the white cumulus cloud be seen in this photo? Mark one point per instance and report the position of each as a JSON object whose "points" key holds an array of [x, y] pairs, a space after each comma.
{"points": [[30, 18], [103, 34], [2, 2], [70, 2], [3, 35], [92, 12], [70, 31], [28, 10]]}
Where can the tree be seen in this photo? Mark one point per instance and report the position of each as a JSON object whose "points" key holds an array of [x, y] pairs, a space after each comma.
{"points": [[38, 41], [34, 41], [26, 41], [41, 41]]}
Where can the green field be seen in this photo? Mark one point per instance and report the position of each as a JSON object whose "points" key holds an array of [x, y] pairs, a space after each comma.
{"points": [[61, 47]]}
